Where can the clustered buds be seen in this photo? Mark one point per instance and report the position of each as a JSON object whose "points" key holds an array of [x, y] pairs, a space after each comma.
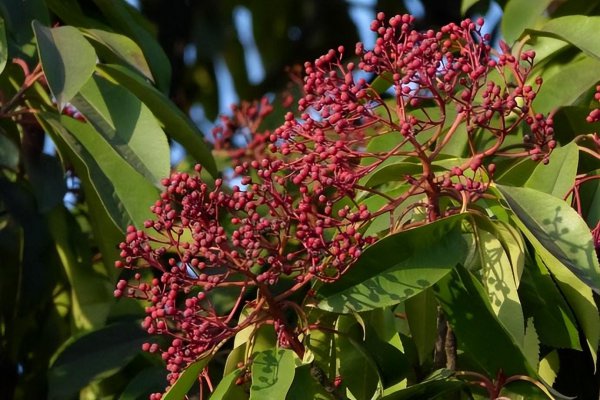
{"points": [[298, 215]]}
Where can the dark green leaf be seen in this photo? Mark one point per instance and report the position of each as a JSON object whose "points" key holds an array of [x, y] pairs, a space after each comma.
{"points": [[99, 353], [273, 371], [127, 126], [149, 380], [531, 345], [397, 267], [589, 192], [556, 325], [186, 380], [558, 176], [392, 172], [18, 16], [305, 386], [227, 388], [9, 153], [176, 123], [47, 180], [121, 46], [467, 308], [68, 60]]}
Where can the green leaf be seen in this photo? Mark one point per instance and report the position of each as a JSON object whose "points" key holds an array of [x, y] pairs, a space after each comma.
{"points": [[549, 366], [392, 172], [124, 193], [467, 308], [555, 323], [123, 47], [175, 122], [558, 176], [3, 46], [579, 30], [121, 17], [9, 152], [18, 16], [421, 313], [94, 355], [227, 389], [531, 345], [68, 60], [186, 380], [500, 284], [91, 292], [437, 385], [273, 371], [127, 126], [305, 386], [558, 228], [519, 15], [589, 192], [581, 75], [47, 179], [466, 4], [397, 267]]}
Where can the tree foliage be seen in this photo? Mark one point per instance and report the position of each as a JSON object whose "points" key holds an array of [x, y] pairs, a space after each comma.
{"points": [[414, 220]]}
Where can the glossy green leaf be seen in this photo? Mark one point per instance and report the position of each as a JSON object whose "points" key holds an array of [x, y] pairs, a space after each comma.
{"points": [[465, 303], [118, 13], [589, 193], [421, 313], [127, 125], [549, 367], [520, 15], [272, 374], [397, 267], [382, 82], [175, 122], [558, 176], [91, 292], [122, 47], [438, 385], [3, 45], [579, 30], [392, 172], [558, 228], [94, 355], [500, 284], [554, 321], [186, 380], [111, 177], [581, 75], [68, 60]]}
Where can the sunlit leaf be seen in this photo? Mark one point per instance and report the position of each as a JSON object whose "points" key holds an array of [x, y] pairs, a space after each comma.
{"points": [[68, 60], [273, 371]]}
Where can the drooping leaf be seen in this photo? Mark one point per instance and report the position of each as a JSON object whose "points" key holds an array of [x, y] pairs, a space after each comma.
{"points": [[175, 122], [421, 314], [500, 284], [68, 60], [466, 306], [558, 176], [96, 354], [397, 267], [127, 126], [555, 323], [3, 45], [111, 177], [558, 228], [519, 15], [273, 371], [122, 47], [91, 292], [186, 380], [579, 30]]}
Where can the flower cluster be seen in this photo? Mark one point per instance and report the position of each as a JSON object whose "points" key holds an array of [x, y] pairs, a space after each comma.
{"points": [[300, 215]]}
